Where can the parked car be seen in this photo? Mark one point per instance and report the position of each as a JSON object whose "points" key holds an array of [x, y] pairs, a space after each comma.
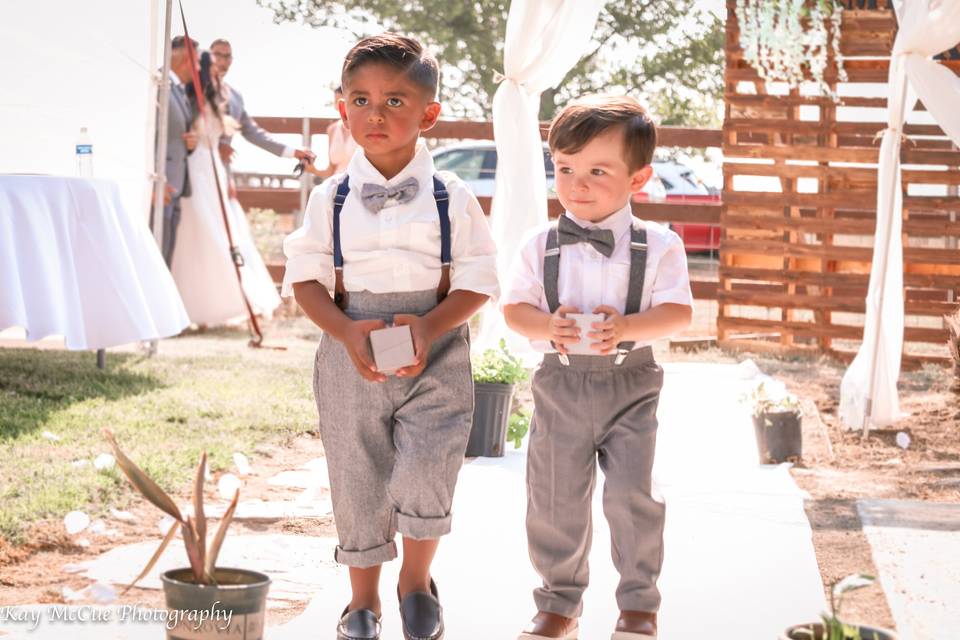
{"points": [[476, 164]]}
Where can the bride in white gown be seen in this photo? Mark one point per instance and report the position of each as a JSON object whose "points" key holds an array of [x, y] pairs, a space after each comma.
{"points": [[202, 265]]}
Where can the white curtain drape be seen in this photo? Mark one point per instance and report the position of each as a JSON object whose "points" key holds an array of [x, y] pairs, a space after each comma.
{"points": [[67, 65], [545, 38], [926, 28]]}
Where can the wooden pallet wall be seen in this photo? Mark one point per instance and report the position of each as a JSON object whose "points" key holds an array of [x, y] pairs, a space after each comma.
{"points": [[799, 204]]}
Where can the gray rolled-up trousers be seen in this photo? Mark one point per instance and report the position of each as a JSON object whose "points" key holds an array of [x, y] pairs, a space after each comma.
{"points": [[591, 411], [394, 449]]}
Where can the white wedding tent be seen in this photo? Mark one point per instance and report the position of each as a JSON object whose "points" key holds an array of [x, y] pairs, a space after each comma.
{"points": [[67, 65], [868, 393]]}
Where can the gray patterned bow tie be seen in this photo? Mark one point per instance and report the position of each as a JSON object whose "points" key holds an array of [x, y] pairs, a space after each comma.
{"points": [[375, 196], [569, 232]]}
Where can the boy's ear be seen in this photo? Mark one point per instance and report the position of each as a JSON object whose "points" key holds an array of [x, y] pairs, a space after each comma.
{"points": [[342, 108], [640, 177], [430, 116]]}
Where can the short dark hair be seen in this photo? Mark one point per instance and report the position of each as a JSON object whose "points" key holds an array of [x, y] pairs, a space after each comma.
{"points": [[399, 52], [181, 41], [220, 41], [586, 118]]}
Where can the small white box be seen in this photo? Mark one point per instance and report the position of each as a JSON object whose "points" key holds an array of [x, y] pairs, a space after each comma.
{"points": [[392, 348], [584, 320]]}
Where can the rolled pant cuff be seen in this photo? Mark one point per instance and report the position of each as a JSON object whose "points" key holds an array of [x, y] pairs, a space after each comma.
{"points": [[639, 602], [367, 557], [423, 528], [558, 606]]}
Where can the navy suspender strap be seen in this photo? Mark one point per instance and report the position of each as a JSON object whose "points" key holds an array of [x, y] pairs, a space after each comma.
{"points": [[443, 210], [638, 269], [638, 266], [446, 258], [339, 291]]}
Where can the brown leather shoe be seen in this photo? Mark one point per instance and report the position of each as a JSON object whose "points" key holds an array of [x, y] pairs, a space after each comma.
{"points": [[636, 625], [550, 626]]}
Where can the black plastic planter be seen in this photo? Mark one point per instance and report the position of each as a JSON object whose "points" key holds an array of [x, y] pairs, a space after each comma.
{"points": [[491, 413], [779, 438]]}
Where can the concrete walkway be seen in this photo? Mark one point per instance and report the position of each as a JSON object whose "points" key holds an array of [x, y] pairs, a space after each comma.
{"points": [[739, 558]]}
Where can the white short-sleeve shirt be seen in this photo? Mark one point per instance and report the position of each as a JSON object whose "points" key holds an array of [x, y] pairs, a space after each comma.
{"points": [[588, 279], [397, 249]]}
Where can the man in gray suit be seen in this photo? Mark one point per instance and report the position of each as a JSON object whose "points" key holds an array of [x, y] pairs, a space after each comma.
{"points": [[180, 143], [249, 129]]}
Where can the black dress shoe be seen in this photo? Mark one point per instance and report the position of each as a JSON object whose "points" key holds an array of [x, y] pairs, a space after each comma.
{"points": [[361, 624], [421, 614]]}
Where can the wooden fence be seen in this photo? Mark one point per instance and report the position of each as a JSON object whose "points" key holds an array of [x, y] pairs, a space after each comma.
{"points": [[796, 250]]}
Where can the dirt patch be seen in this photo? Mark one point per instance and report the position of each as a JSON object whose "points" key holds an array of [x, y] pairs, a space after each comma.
{"points": [[38, 571]]}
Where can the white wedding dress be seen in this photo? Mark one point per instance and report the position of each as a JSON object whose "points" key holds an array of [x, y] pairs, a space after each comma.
{"points": [[202, 266]]}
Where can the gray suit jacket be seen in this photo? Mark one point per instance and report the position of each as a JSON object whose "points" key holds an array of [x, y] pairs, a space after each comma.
{"points": [[249, 128], [179, 117]]}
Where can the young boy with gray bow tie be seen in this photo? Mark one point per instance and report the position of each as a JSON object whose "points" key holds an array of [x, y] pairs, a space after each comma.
{"points": [[595, 393], [392, 241]]}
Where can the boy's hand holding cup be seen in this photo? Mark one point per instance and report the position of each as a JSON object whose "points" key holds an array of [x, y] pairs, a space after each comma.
{"points": [[607, 334], [563, 330]]}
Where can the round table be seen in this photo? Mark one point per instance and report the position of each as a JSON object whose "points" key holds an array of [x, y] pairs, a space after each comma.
{"points": [[74, 262]]}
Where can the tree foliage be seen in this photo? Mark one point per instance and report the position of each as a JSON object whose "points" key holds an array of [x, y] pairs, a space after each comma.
{"points": [[669, 54]]}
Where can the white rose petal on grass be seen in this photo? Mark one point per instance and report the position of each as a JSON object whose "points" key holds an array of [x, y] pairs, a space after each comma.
{"points": [[122, 515], [242, 464], [903, 439], [72, 568], [83, 542], [97, 528], [102, 593], [75, 522], [79, 464], [51, 436], [69, 595], [104, 462], [228, 485]]}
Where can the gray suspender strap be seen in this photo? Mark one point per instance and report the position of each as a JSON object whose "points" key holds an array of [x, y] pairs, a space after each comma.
{"points": [[638, 268], [551, 277]]}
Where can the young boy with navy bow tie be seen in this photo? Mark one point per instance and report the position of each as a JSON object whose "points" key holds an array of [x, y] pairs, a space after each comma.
{"points": [[596, 391], [391, 240]]}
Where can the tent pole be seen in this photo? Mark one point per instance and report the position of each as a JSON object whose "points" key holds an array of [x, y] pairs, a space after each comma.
{"points": [[163, 107]]}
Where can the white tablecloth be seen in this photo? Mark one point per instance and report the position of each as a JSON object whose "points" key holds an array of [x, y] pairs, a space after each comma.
{"points": [[74, 262]]}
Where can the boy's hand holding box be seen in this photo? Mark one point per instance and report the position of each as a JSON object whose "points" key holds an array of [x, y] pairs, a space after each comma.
{"points": [[392, 348]]}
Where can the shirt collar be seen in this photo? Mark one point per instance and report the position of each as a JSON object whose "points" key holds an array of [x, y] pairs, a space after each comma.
{"points": [[420, 167], [174, 80], [619, 222]]}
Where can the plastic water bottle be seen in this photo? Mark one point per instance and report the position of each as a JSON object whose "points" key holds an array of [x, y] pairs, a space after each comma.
{"points": [[84, 154]]}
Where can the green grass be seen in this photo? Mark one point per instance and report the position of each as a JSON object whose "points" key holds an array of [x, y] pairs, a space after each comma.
{"points": [[203, 392]]}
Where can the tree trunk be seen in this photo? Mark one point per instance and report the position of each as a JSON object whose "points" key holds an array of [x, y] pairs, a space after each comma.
{"points": [[953, 343]]}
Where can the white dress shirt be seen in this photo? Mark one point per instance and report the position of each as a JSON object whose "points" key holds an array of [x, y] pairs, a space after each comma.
{"points": [[588, 279], [397, 249]]}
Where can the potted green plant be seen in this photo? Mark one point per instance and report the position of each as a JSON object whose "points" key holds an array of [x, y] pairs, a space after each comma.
{"points": [[776, 424], [204, 600], [495, 374], [518, 426], [831, 627]]}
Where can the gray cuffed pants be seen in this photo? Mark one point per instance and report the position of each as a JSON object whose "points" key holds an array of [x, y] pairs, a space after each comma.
{"points": [[394, 448], [590, 411]]}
